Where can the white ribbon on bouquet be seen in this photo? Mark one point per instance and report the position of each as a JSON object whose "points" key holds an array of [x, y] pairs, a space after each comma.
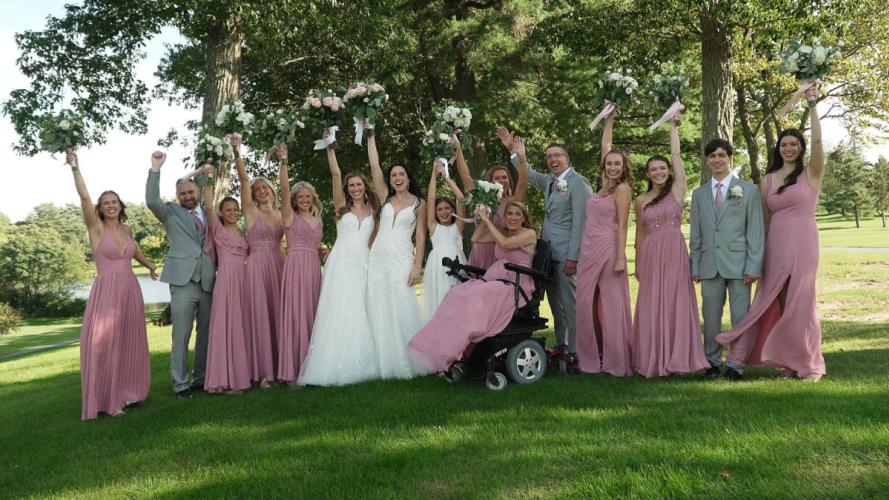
{"points": [[331, 138], [444, 161], [804, 85], [359, 130], [672, 111], [606, 110]]}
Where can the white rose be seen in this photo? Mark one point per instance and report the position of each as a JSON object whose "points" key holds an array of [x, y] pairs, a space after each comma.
{"points": [[629, 90], [224, 110], [819, 55], [218, 151], [736, 191], [804, 49], [64, 124], [444, 138], [562, 185]]}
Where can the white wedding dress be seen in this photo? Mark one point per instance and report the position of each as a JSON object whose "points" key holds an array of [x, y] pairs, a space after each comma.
{"points": [[392, 305], [341, 349], [446, 242]]}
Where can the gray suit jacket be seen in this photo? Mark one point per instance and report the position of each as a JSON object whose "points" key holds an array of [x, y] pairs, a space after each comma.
{"points": [[186, 258], [565, 212], [730, 241]]}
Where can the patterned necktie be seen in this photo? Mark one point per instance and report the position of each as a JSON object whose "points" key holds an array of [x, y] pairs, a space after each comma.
{"points": [[198, 225], [553, 184], [718, 201]]}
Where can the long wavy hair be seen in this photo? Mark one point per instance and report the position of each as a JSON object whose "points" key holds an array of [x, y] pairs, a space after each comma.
{"points": [[668, 186], [412, 186], [222, 204], [369, 196], [489, 174], [445, 199], [121, 216], [627, 173], [317, 208], [528, 222], [778, 162]]}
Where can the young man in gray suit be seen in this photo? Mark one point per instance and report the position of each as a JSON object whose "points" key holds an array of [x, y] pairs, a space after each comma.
{"points": [[727, 245], [565, 193], [190, 273]]}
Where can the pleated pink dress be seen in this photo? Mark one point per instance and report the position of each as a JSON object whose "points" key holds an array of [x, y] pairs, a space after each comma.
{"points": [[788, 338], [228, 367], [114, 368], [470, 312], [482, 254], [595, 271], [666, 332], [300, 288], [264, 268]]}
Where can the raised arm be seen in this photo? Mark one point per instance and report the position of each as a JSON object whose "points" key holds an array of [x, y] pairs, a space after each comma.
{"points": [[695, 239], [209, 193], [246, 197], [152, 187], [419, 244], [680, 179], [623, 198], [816, 157], [458, 197], [381, 187], [336, 179], [607, 134], [462, 166], [520, 193], [93, 224], [284, 181], [431, 219]]}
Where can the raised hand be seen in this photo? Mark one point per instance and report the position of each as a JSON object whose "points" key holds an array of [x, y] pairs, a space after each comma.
{"points": [[208, 169], [481, 211], [235, 140], [506, 137], [518, 147], [281, 151], [157, 159], [438, 167], [812, 93], [71, 158]]}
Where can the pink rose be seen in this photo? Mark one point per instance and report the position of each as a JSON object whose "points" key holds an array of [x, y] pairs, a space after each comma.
{"points": [[315, 102]]}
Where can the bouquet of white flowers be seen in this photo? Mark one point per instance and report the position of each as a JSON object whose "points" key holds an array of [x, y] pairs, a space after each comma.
{"points": [[438, 138], [808, 63], [614, 89], [484, 193], [213, 150], [324, 109], [280, 125], [61, 132], [668, 90], [363, 101], [232, 117]]}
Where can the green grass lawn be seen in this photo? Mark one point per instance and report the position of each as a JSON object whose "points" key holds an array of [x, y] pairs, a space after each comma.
{"points": [[576, 436]]}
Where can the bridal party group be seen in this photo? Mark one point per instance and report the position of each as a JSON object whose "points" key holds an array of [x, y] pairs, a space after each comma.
{"points": [[264, 313]]}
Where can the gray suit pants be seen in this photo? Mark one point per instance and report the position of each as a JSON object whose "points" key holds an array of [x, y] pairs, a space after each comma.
{"points": [[560, 293], [712, 302], [185, 301]]}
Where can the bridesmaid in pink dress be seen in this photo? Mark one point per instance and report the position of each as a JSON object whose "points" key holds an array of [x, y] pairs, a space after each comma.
{"points": [[666, 332], [114, 367], [483, 243], [301, 280], [479, 308], [264, 267], [782, 327], [603, 289], [228, 369]]}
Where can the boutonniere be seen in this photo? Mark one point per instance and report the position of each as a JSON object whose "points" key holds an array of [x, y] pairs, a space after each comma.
{"points": [[736, 192], [562, 185]]}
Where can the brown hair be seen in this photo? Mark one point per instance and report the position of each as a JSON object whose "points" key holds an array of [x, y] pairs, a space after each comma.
{"points": [[528, 223], [445, 199], [489, 174], [668, 186], [626, 176], [122, 216], [369, 196]]}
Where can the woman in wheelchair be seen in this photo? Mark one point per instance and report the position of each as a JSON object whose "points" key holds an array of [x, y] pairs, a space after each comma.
{"points": [[480, 307]]}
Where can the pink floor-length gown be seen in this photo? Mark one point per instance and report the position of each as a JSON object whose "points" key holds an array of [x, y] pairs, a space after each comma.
{"points": [[114, 367], [790, 338], [228, 367], [300, 288], [595, 270], [482, 254], [263, 296], [666, 332], [470, 312]]}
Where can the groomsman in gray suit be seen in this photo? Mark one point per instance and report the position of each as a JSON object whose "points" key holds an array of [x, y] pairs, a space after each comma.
{"points": [[727, 245], [565, 193], [190, 273]]}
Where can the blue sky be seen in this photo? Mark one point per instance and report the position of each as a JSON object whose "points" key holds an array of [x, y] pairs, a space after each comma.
{"points": [[122, 163]]}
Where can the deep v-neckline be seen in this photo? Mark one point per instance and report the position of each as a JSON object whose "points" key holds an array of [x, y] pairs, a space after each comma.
{"points": [[122, 250], [395, 215]]}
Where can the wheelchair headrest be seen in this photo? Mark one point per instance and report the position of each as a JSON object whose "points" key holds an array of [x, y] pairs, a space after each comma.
{"points": [[542, 257]]}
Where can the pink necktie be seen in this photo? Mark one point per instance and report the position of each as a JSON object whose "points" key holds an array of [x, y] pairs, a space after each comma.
{"points": [[718, 201], [198, 225]]}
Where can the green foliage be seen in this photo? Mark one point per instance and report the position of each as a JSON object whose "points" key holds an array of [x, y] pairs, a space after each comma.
{"points": [[61, 132], [67, 221], [39, 270], [845, 185], [9, 319], [148, 233], [879, 187]]}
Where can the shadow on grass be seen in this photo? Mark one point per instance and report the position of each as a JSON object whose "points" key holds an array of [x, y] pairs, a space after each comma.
{"points": [[567, 435], [19, 342]]}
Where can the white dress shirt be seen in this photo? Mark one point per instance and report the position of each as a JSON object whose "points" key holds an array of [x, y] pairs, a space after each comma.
{"points": [[725, 184]]}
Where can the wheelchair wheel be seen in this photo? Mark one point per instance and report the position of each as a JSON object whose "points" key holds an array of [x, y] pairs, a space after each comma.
{"points": [[495, 381], [526, 362]]}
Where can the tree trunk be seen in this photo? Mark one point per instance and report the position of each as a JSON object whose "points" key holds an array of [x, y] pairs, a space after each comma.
{"points": [[717, 108], [749, 136], [466, 91], [857, 225], [222, 67]]}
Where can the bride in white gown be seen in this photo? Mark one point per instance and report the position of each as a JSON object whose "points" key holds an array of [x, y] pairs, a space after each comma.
{"points": [[394, 268], [341, 349]]}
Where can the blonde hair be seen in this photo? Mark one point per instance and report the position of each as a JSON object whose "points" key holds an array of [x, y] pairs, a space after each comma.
{"points": [[271, 187], [317, 208]]}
